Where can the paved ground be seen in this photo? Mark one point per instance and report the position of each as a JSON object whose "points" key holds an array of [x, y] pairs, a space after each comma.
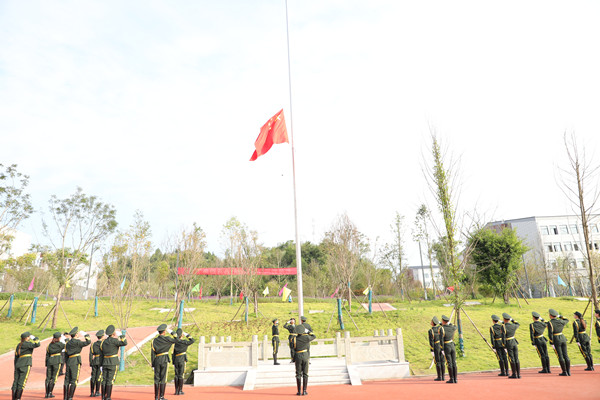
{"points": [[37, 375], [581, 385]]}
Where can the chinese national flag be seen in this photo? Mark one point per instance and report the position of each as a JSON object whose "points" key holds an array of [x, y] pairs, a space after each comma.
{"points": [[273, 132]]}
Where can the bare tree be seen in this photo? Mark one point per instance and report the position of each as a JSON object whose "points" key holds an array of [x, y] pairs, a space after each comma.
{"points": [[393, 255], [421, 234], [15, 205], [190, 247], [579, 182]]}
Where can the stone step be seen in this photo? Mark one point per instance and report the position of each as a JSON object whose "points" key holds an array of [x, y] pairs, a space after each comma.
{"points": [[311, 380], [278, 377]]}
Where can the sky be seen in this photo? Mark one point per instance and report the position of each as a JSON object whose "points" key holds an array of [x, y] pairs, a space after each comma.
{"points": [[155, 106]]}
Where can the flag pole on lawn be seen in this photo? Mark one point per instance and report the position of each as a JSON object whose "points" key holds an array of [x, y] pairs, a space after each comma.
{"points": [[298, 247]]}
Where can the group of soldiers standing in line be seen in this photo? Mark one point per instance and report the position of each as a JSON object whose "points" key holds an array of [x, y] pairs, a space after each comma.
{"points": [[299, 339], [505, 345], [103, 360]]}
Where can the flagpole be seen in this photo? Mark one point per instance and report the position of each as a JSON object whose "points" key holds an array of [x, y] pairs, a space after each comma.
{"points": [[298, 247]]}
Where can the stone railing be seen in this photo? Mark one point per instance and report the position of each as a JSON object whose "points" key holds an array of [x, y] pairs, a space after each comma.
{"points": [[382, 346]]}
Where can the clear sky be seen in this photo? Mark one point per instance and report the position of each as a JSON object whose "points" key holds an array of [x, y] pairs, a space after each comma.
{"points": [[155, 105]]}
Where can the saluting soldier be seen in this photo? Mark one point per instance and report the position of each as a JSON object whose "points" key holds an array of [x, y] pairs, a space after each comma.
{"points": [[275, 340], [73, 352], [109, 354], [53, 359], [160, 360], [436, 348], [538, 340], [498, 346], [23, 363], [180, 358], [447, 331], [509, 329], [583, 340], [291, 327], [63, 358], [96, 364], [302, 342], [558, 341]]}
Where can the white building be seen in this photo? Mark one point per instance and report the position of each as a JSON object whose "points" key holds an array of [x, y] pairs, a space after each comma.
{"points": [[554, 239], [423, 275]]}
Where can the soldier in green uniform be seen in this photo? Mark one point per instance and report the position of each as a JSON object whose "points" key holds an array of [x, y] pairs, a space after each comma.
{"points": [[447, 331], [23, 363], [307, 327], [583, 340], [53, 358], [509, 329], [538, 340], [498, 346], [436, 348], [159, 356], [180, 358], [73, 351], [291, 327], [109, 356], [558, 340], [275, 340], [96, 364], [303, 340], [597, 324]]}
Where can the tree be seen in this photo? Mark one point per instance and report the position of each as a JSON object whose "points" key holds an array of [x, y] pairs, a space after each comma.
{"points": [[345, 246], [497, 257], [15, 205], [421, 234], [393, 255], [579, 183], [77, 223]]}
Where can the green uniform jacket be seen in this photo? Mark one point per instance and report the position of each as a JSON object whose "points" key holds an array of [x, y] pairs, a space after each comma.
{"points": [[275, 331], [579, 332], [496, 335], [508, 333], [23, 353], [54, 353], [434, 338], [555, 329], [160, 349], [180, 349], [109, 348], [303, 341], [96, 354], [73, 349], [447, 333], [536, 331]]}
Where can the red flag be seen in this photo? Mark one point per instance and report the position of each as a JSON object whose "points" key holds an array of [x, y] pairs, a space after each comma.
{"points": [[273, 132], [31, 284], [241, 295]]}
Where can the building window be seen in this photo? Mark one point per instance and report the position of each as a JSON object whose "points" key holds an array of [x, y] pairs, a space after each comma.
{"points": [[549, 247], [557, 247], [568, 246], [573, 229], [563, 229], [544, 230], [576, 246], [596, 246], [553, 230]]}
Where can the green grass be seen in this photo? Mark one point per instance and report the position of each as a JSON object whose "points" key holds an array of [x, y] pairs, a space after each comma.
{"points": [[214, 320]]}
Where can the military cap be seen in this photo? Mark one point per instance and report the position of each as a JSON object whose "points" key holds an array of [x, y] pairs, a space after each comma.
{"points": [[56, 335], [553, 312], [300, 329], [275, 320], [178, 332], [435, 320], [162, 327], [578, 314], [445, 318], [597, 311], [100, 333], [535, 314], [74, 331], [110, 330], [303, 318], [505, 316], [25, 334], [495, 317]]}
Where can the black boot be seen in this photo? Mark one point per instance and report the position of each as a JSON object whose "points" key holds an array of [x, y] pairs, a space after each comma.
{"points": [[181, 382], [548, 365], [92, 388], [163, 387], [591, 362], [108, 392], [568, 367], [156, 391], [14, 391], [455, 372], [176, 384], [103, 391], [18, 394], [450, 375], [50, 389], [563, 368], [502, 372], [514, 371], [97, 392], [518, 365], [299, 386], [304, 385], [72, 391], [65, 392], [443, 371], [439, 373], [275, 359]]}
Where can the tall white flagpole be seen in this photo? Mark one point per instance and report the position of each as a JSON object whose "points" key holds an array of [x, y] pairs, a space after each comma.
{"points": [[298, 247]]}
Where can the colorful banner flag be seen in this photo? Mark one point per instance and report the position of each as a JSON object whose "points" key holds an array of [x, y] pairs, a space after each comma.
{"points": [[31, 284], [123, 283], [196, 288], [273, 132], [561, 282], [241, 295], [200, 294], [286, 294], [334, 293], [366, 292], [266, 291], [281, 290]]}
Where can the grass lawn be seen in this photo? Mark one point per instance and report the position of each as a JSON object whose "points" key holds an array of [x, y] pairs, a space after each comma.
{"points": [[214, 320]]}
